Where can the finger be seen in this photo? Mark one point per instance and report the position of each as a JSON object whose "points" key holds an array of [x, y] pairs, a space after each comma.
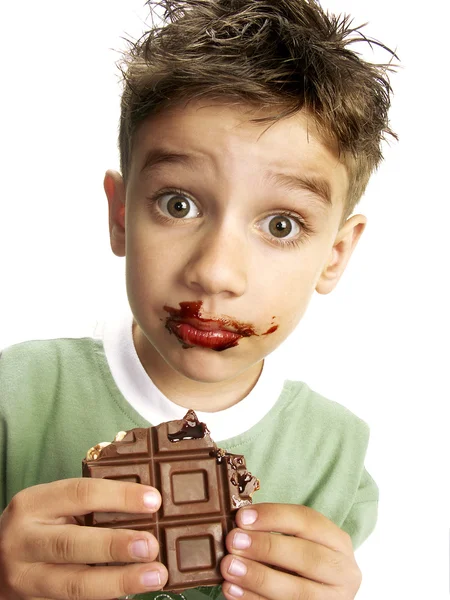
{"points": [[62, 582], [231, 591], [82, 495], [258, 581], [291, 554], [75, 544], [297, 520]]}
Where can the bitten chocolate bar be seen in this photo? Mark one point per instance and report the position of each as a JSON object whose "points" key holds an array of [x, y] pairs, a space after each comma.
{"points": [[201, 487]]}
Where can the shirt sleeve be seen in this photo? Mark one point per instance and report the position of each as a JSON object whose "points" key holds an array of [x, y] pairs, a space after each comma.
{"points": [[2, 456], [2, 463], [362, 517]]}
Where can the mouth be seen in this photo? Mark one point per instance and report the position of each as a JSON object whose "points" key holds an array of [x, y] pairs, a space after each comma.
{"points": [[193, 330], [213, 338]]}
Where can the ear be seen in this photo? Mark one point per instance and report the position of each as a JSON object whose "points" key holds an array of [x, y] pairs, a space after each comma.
{"points": [[115, 193], [343, 246]]}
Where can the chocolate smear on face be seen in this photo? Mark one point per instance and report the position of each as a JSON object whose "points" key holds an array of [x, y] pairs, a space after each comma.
{"points": [[190, 312]]}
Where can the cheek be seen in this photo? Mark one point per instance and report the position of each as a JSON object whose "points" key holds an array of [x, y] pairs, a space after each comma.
{"points": [[287, 296], [146, 249], [288, 278]]}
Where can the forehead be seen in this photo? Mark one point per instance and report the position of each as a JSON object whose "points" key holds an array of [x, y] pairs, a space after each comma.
{"points": [[214, 135]]}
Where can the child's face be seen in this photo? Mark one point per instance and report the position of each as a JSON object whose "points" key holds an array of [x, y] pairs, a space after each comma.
{"points": [[220, 222]]}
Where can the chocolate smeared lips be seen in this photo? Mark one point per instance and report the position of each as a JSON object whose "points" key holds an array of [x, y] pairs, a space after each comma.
{"points": [[193, 330], [218, 339]]}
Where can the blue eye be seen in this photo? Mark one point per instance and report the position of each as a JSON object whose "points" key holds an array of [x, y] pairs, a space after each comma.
{"points": [[177, 206], [281, 226]]}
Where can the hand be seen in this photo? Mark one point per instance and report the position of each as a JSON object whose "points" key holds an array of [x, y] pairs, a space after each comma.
{"points": [[313, 560], [45, 554]]}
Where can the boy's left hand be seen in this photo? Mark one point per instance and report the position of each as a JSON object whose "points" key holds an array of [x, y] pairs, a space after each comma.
{"points": [[313, 560]]}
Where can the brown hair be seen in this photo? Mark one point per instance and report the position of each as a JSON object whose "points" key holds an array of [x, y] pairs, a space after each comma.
{"points": [[288, 55]]}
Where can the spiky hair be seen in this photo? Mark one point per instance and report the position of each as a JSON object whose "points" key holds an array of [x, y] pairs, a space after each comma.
{"points": [[288, 56]]}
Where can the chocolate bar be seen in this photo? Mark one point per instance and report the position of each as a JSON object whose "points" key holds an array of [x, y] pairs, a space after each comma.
{"points": [[201, 487]]}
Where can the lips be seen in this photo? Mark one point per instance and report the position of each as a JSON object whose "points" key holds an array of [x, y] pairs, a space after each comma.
{"points": [[208, 335], [193, 328]]}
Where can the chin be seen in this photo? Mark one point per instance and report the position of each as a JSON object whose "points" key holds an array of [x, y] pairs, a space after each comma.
{"points": [[205, 365]]}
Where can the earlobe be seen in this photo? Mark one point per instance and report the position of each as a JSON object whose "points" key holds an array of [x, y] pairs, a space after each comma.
{"points": [[346, 240], [115, 193]]}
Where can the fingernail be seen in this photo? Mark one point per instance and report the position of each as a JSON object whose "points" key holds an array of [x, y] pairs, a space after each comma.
{"points": [[241, 541], [235, 590], [248, 516], [151, 500], [140, 549], [151, 579], [237, 568]]}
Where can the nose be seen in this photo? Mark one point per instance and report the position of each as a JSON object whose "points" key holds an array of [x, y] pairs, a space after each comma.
{"points": [[218, 263]]}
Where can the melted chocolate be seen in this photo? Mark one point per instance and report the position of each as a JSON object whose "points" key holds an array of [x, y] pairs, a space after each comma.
{"points": [[192, 310], [271, 330], [191, 429], [243, 480], [240, 477], [188, 309], [188, 432]]}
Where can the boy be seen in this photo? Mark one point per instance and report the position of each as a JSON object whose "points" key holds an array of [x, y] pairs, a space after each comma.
{"points": [[248, 133]]}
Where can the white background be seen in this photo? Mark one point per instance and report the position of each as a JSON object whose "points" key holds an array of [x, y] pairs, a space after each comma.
{"points": [[378, 344]]}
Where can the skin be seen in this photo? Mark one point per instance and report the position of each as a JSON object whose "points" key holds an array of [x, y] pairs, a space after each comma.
{"points": [[218, 256], [226, 257], [44, 554], [318, 554]]}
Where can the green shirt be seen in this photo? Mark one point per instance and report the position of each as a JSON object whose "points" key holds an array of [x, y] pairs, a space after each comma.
{"points": [[58, 398]]}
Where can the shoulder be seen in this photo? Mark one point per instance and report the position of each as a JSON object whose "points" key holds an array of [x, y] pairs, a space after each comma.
{"points": [[320, 416], [65, 338], [32, 368], [38, 353]]}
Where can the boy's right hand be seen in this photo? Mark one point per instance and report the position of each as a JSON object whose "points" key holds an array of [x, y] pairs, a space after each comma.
{"points": [[44, 553]]}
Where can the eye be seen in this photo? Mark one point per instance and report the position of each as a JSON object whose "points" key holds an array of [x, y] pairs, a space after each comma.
{"points": [[177, 206], [282, 227]]}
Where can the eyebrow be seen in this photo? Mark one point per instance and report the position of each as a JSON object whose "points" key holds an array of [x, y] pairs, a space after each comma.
{"points": [[157, 156], [310, 183]]}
